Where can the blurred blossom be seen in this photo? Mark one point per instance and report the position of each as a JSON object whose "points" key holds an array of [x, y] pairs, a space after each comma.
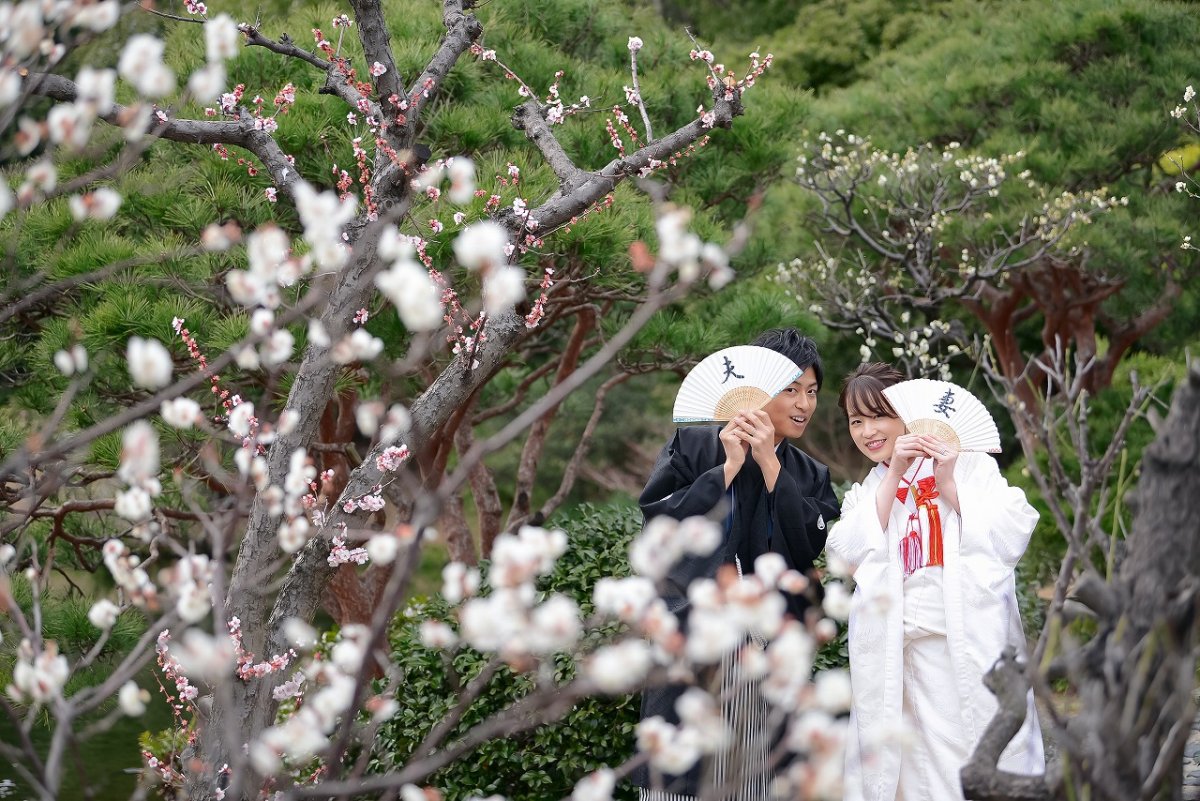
{"points": [[555, 625], [242, 420], [832, 689], [503, 288], [481, 245], [382, 548], [621, 667], [459, 581], [180, 412], [149, 362], [664, 541], [38, 677], [204, 657], [132, 699], [103, 614], [837, 601], [141, 64], [438, 635], [462, 179], [139, 455], [597, 786], [626, 598], [418, 301], [207, 83], [220, 38], [299, 634]]}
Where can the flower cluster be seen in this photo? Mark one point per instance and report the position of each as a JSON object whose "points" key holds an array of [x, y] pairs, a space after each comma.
{"points": [[38, 674], [247, 668], [139, 471], [922, 230], [304, 734]]}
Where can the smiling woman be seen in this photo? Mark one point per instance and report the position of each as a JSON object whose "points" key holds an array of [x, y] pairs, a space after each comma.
{"points": [[932, 537]]}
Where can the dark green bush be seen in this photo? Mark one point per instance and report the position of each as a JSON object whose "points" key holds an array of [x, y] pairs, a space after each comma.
{"points": [[543, 763]]}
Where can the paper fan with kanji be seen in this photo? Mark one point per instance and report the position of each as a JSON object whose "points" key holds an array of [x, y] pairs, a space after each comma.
{"points": [[946, 411], [732, 380]]}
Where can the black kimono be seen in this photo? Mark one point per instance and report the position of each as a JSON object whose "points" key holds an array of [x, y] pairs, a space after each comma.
{"points": [[689, 480]]}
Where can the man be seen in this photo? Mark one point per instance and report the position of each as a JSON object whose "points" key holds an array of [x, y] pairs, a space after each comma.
{"points": [[775, 498]]}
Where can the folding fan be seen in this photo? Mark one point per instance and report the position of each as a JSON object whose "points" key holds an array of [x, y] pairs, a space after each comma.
{"points": [[946, 411], [730, 381]]}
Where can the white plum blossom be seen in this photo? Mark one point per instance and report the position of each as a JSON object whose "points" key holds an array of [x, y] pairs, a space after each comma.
{"points": [[324, 215], [71, 361], [132, 699], [180, 412], [150, 364], [494, 622], [360, 346], [241, 419], [98, 17], [626, 598], [293, 534], [141, 64], [133, 504], [220, 38], [278, 347], [382, 548], [459, 581], [299, 634], [10, 87], [96, 89], [38, 677], [207, 83], [481, 245], [100, 204], [139, 455], [555, 625], [191, 582], [410, 289], [461, 171], [396, 422], [670, 748], [103, 614], [69, 125], [832, 691], [437, 635], [621, 667], [597, 786], [503, 288], [24, 29], [204, 657], [664, 541], [837, 601]]}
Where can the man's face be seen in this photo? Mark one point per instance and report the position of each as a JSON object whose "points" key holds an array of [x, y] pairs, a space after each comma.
{"points": [[792, 408]]}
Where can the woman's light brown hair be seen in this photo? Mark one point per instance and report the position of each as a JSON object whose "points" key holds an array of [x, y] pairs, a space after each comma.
{"points": [[862, 389]]}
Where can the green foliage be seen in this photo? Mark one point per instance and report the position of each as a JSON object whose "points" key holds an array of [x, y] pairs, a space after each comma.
{"points": [[543, 763]]}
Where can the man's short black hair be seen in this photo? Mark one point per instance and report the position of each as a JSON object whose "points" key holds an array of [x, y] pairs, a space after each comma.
{"points": [[797, 347]]}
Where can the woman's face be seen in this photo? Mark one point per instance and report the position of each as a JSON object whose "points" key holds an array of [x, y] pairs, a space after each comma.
{"points": [[874, 434]]}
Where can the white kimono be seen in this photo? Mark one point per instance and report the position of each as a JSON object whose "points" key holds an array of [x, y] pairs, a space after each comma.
{"points": [[980, 550]]}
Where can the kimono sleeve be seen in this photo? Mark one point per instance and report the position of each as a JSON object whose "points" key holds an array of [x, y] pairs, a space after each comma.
{"points": [[802, 512], [995, 514], [688, 478], [858, 532]]}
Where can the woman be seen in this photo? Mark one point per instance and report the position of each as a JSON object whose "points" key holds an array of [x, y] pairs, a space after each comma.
{"points": [[774, 498], [932, 537]]}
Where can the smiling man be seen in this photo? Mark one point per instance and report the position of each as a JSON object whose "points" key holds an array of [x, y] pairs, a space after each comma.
{"points": [[774, 498]]}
